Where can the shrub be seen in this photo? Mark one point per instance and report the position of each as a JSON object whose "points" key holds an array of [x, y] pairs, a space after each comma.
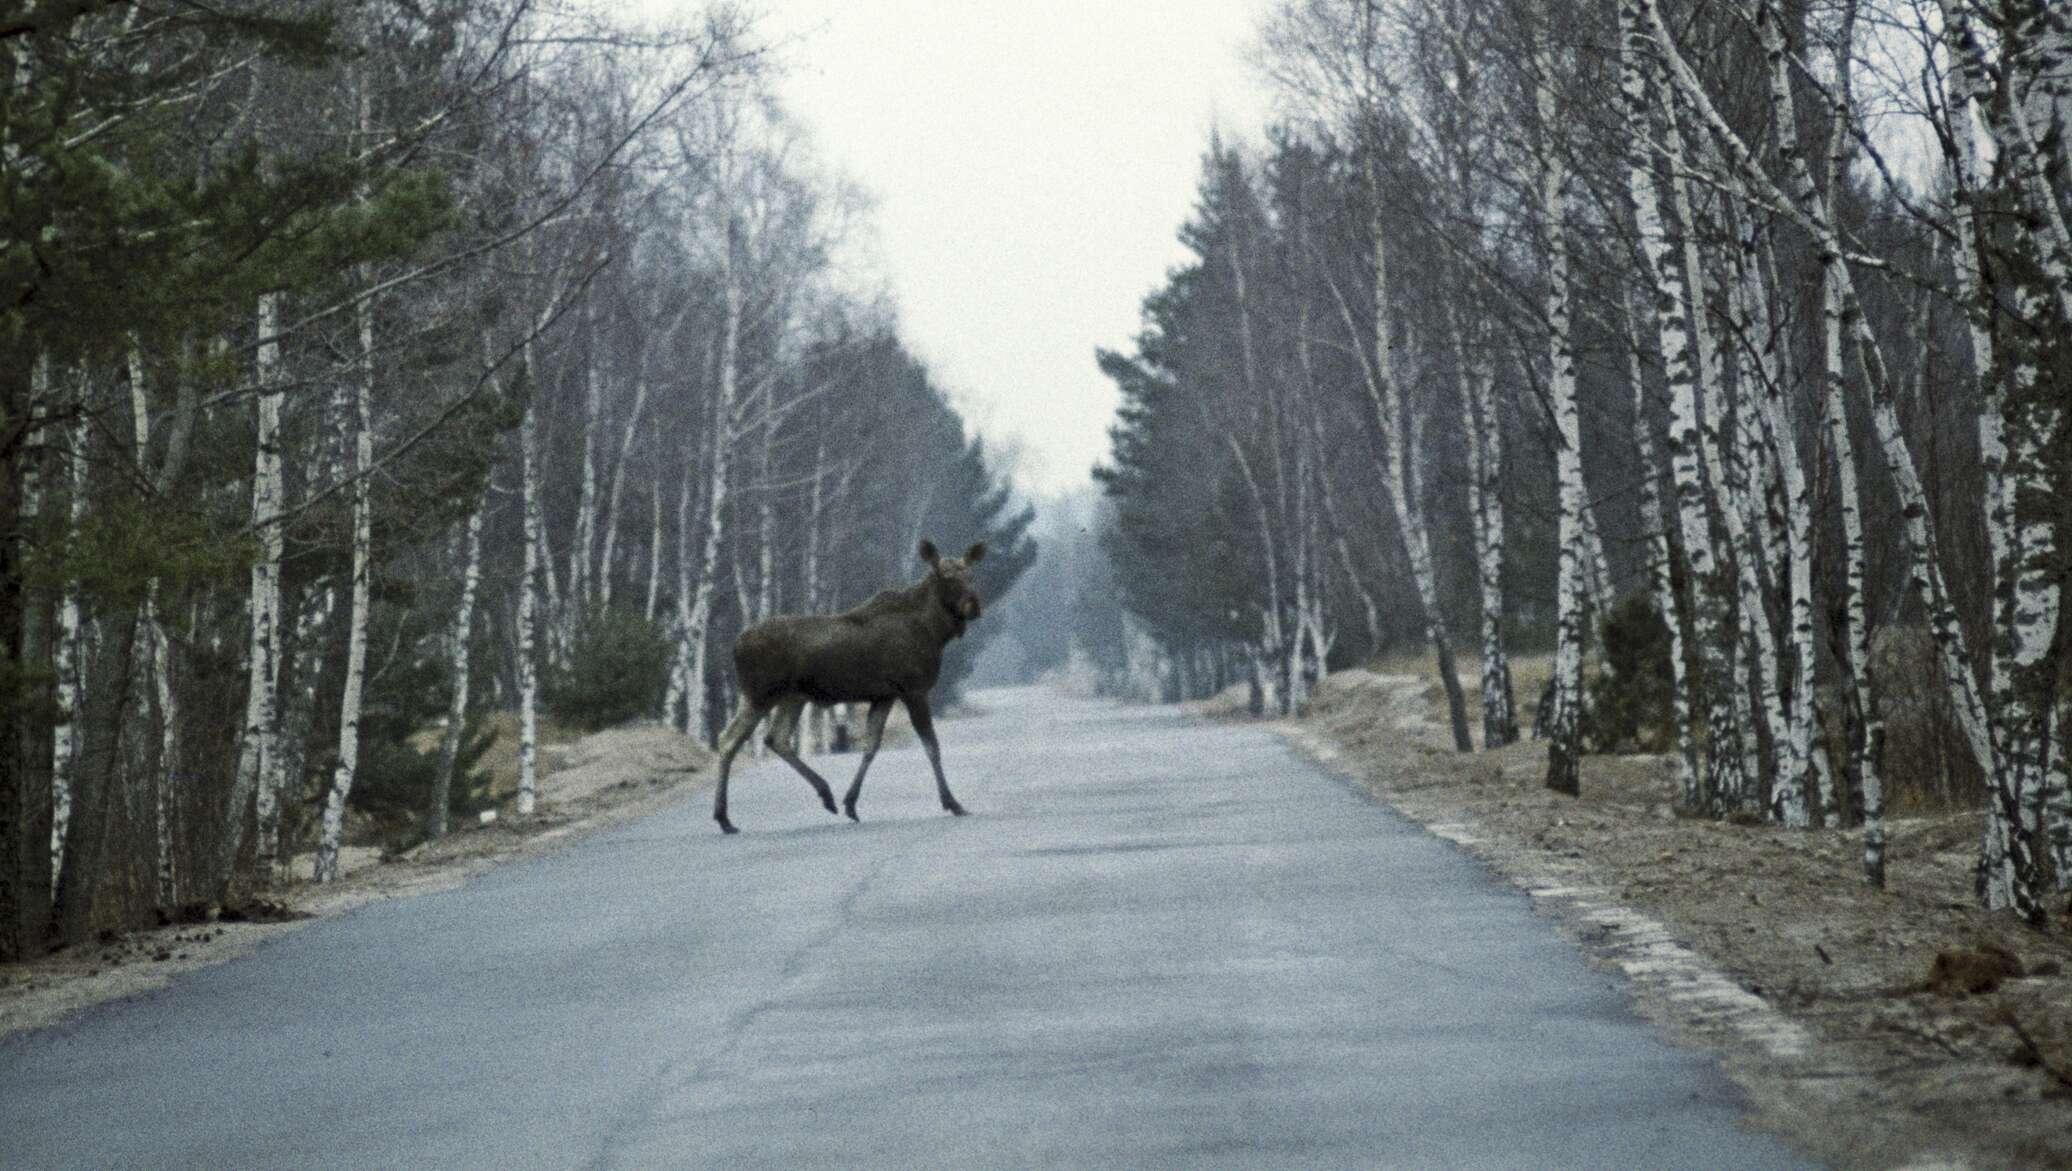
{"points": [[617, 670], [394, 783], [1629, 705]]}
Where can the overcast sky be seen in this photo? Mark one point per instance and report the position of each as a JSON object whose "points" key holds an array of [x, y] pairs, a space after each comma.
{"points": [[1031, 163]]}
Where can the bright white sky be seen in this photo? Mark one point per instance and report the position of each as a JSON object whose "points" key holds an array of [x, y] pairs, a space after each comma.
{"points": [[1031, 162]]}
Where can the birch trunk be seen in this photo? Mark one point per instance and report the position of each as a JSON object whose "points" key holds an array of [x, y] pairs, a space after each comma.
{"points": [[1297, 667], [2026, 585], [1869, 748], [326, 869], [654, 581], [1968, 82], [766, 520], [460, 657], [1809, 211], [257, 765], [817, 718], [1564, 749], [1740, 596], [554, 608], [1680, 356], [1383, 396], [616, 495], [66, 653], [157, 659], [528, 601], [1486, 521], [1327, 496], [1661, 581], [674, 701], [1266, 657], [582, 550], [1769, 439], [697, 611]]}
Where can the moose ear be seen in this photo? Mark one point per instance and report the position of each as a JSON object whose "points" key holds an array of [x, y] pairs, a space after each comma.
{"points": [[975, 554], [928, 552]]}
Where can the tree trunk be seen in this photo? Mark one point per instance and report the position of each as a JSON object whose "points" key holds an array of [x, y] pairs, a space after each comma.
{"points": [[460, 656], [258, 767], [1710, 628], [1869, 745], [67, 651], [528, 602], [1267, 660], [326, 869], [100, 772], [1661, 580], [1384, 396], [697, 613], [1564, 745], [158, 661], [1484, 449], [612, 520], [654, 581], [1810, 212]]}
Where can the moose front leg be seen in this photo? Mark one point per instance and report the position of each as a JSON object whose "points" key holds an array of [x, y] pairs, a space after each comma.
{"points": [[924, 727], [783, 740], [730, 742], [873, 733]]}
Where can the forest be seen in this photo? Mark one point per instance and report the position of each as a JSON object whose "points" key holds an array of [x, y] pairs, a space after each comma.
{"points": [[1717, 349], [381, 379]]}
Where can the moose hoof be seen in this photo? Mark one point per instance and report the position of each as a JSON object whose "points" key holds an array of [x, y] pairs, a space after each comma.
{"points": [[725, 826], [829, 801], [953, 809], [849, 807]]}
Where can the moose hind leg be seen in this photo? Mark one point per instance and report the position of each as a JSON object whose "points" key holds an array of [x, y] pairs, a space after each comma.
{"points": [[730, 742], [924, 727], [783, 740], [873, 733]]}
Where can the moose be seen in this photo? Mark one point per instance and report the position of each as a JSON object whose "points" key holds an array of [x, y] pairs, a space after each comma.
{"points": [[889, 648]]}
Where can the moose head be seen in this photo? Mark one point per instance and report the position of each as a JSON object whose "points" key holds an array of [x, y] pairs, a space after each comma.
{"points": [[949, 580]]}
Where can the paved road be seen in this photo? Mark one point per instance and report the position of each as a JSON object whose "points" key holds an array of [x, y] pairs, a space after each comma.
{"points": [[1157, 943]]}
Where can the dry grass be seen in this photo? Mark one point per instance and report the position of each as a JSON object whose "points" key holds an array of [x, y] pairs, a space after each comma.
{"points": [[1529, 675]]}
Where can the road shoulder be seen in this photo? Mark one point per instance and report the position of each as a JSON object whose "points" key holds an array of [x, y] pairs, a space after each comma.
{"points": [[1762, 943]]}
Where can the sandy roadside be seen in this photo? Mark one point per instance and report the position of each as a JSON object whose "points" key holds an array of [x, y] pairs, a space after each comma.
{"points": [[1873, 1028]]}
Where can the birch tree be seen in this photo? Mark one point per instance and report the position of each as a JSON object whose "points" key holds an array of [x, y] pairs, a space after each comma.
{"points": [[1564, 750]]}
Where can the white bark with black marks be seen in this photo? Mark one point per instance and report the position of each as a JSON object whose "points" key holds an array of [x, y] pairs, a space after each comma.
{"points": [[528, 599], [67, 650], [1661, 581], [1673, 325], [1564, 745], [460, 661], [351, 703]]}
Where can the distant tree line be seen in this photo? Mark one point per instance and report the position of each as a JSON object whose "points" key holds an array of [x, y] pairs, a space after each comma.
{"points": [[1755, 312], [368, 367]]}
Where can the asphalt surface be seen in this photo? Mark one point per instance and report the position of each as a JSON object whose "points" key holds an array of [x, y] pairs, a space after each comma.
{"points": [[1156, 943]]}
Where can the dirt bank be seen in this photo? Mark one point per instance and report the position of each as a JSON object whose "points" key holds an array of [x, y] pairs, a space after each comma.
{"points": [[587, 784], [1894, 1028]]}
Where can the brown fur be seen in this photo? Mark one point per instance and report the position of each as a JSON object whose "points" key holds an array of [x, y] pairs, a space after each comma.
{"points": [[890, 648], [1961, 971]]}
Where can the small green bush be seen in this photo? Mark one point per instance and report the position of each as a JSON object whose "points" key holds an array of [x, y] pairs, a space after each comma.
{"points": [[394, 785], [617, 670], [1629, 707]]}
